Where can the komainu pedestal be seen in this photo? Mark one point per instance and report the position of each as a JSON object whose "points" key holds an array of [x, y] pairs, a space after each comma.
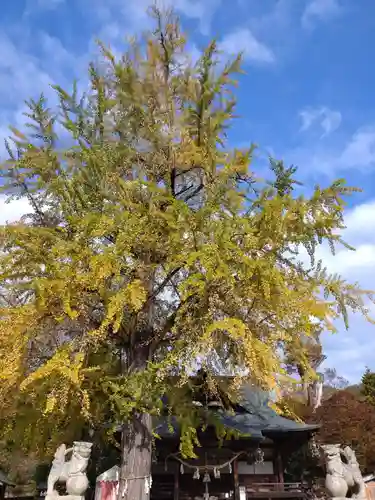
{"points": [[343, 475], [71, 472]]}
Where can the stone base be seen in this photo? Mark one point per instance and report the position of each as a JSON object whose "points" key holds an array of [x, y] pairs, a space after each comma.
{"points": [[56, 496], [353, 497]]}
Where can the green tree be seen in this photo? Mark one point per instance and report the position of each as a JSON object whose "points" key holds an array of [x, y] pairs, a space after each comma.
{"points": [[151, 249], [368, 386]]}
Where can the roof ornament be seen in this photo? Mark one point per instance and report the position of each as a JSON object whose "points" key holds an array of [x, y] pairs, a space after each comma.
{"points": [[196, 474], [206, 477], [259, 456]]}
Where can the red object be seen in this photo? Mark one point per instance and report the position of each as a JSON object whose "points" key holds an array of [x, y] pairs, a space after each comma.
{"points": [[108, 490]]}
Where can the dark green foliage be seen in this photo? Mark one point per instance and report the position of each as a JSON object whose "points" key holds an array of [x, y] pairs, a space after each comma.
{"points": [[368, 386]]}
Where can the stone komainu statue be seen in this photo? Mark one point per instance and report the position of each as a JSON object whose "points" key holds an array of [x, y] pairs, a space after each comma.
{"points": [[343, 475], [71, 472]]}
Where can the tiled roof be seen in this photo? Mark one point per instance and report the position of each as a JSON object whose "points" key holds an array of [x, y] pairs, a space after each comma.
{"points": [[253, 417]]}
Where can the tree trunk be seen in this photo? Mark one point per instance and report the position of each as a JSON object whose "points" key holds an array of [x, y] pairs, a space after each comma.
{"points": [[135, 474], [136, 442]]}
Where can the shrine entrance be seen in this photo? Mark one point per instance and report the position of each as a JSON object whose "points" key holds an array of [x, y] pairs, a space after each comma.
{"points": [[188, 487], [219, 488]]}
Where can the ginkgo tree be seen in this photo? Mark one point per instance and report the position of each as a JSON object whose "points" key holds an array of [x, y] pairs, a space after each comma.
{"points": [[151, 249]]}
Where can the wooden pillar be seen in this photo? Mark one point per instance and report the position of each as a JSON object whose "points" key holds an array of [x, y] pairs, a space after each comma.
{"points": [[278, 462], [176, 491], [236, 481]]}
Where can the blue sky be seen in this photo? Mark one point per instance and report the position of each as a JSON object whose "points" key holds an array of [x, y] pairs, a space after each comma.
{"points": [[307, 97]]}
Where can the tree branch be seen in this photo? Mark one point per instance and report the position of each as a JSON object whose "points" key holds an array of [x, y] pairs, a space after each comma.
{"points": [[160, 287]]}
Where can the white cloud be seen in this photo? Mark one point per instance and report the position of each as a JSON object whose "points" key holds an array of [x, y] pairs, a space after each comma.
{"points": [[21, 72], [349, 152], [319, 10], [275, 22], [357, 265], [32, 61], [133, 15], [360, 149], [244, 40], [359, 222], [13, 211], [34, 7], [350, 351], [202, 11], [357, 153], [52, 46], [327, 119], [27, 76], [348, 262]]}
